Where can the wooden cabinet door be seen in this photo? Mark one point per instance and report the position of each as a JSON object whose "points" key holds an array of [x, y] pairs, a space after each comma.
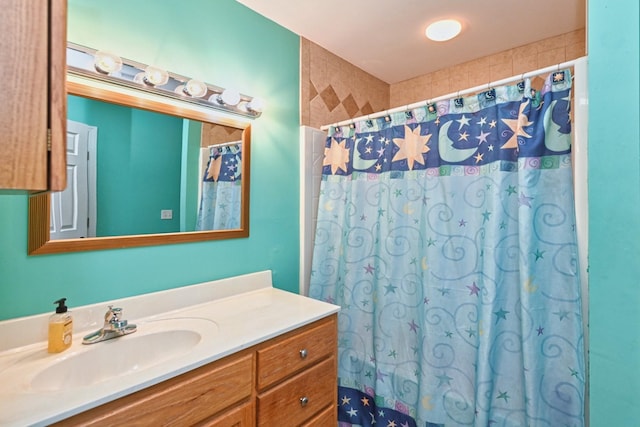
{"points": [[181, 401], [33, 70], [58, 95]]}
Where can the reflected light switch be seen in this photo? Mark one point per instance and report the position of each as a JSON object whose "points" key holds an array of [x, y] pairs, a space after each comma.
{"points": [[166, 214]]}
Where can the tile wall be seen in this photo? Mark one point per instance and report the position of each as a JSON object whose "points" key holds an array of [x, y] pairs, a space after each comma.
{"points": [[501, 65], [334, 90], [213, 134]]}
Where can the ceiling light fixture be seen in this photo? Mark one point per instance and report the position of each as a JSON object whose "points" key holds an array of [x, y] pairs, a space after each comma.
{"points": [[443, 30]]}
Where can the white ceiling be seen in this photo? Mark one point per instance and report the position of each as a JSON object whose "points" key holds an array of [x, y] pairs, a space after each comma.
{"points": [[386, 37]]}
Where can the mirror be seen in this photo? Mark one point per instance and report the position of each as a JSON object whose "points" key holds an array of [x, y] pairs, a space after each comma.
{"points": [[163, 173]]}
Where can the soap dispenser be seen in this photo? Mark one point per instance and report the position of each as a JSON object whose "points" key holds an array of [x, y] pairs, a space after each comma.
{"points": [[60, 328]]}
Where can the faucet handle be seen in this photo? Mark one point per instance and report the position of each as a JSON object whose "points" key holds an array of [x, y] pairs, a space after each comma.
{"points": [[112, 318], [112, 314]]}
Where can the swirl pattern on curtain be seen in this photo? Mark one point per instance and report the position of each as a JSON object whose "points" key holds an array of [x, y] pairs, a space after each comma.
{"points": [[447, 236]]}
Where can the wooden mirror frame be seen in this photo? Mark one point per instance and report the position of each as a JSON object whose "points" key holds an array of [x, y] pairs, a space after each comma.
{"points": [[39, 241]]}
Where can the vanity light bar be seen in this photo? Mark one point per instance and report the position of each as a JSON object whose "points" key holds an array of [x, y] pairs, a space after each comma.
{"points": [[110, 68]]}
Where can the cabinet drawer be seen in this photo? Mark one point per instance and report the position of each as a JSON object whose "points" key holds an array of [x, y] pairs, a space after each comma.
{"points": [[298, 399], [295, 353], [183, 400]]}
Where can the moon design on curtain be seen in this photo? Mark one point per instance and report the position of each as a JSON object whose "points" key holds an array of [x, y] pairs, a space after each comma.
{"points": [[447, 149]]}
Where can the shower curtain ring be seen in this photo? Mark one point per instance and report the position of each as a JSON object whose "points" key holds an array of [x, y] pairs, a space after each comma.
{"points": [[368, 121]]}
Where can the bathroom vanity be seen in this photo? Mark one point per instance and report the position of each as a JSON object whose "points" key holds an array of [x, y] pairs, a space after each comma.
{"points": [[233, 352]]}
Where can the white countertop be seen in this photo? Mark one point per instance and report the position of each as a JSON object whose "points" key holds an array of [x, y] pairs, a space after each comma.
{"points": [[230, 315]]}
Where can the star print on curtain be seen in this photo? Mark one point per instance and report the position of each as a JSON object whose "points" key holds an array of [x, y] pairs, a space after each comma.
{"points": [[447, 236], [221, 189]]}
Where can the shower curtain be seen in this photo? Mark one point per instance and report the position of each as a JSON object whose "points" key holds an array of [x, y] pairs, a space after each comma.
{"points": [[221, 189], [447, 236]]}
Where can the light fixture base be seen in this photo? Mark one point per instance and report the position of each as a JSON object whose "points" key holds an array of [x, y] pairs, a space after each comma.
{"points": [[135, 75]]}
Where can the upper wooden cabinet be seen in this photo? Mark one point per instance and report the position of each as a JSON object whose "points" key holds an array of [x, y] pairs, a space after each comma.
{"points": [[33, 109]]}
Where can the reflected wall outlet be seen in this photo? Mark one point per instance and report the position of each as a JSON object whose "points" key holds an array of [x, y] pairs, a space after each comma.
{"points": [[166, 214]]}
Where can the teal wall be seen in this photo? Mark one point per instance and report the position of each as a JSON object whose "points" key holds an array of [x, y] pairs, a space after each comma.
{"points": [[614, 212], [223, 43], [139, 166], [237, 47]]}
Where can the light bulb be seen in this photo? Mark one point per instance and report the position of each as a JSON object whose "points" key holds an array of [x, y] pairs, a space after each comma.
{"points": [[195, 88], [229, 97], [256, 104], [107, 62], [443, 30], [155, 76]]}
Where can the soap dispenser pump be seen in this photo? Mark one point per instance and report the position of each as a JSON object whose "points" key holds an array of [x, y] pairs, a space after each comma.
{"points": [[60, 328]]}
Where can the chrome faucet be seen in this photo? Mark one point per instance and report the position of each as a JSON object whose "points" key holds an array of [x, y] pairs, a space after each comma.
{"points": [[113, 327]]}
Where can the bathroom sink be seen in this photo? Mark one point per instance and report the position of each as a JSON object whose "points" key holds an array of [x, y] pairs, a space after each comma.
{"points": [[96, 363]]}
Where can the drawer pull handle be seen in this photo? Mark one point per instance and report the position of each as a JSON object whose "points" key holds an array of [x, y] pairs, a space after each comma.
{"points": [[303, 353], [304, 401]]}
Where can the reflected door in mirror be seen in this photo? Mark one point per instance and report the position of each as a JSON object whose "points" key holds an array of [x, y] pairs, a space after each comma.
{"points": [[73, 210]]}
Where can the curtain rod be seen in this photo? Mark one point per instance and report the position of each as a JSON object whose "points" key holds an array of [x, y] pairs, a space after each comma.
{"points": [[457, 94], [224, 144]]}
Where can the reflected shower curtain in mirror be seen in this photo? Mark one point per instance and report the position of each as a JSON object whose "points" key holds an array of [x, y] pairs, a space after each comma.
{"points": [[447, 236], [221, 189]]}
